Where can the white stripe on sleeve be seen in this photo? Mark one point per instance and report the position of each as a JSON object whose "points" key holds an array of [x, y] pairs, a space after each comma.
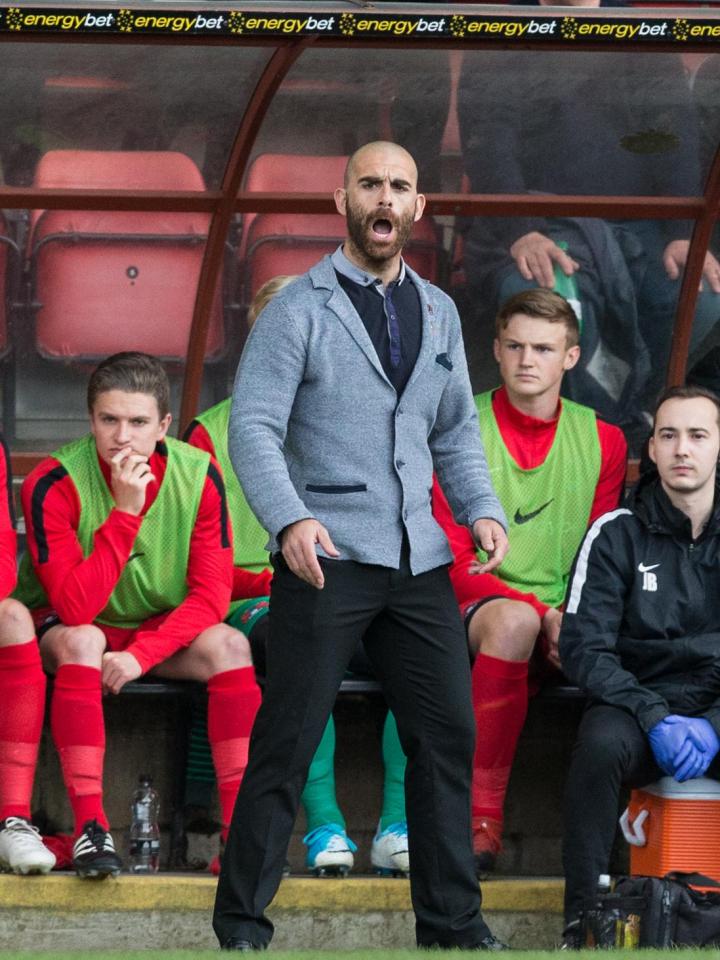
{"points": [[578, 581]]}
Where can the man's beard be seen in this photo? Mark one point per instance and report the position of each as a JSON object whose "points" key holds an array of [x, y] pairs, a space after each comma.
{"points": [[359, 226]]}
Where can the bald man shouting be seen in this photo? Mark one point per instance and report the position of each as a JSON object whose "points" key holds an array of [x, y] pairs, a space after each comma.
{"points": [[352, 388]]}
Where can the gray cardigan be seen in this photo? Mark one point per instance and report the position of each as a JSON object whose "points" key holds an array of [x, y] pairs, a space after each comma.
{"points": [[316, 428]]}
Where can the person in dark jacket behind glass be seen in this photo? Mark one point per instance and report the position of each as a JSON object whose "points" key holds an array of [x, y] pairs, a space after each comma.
{"points": [[538, 122], [641, 634]]}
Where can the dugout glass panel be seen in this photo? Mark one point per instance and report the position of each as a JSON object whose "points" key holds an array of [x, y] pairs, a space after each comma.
{"points": [[116, 97]]}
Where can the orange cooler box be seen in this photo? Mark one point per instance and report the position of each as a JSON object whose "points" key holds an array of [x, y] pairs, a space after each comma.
{"points": [[674, 826]]}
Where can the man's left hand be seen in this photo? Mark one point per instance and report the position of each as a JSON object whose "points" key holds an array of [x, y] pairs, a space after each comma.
{"points": [[117, 670], [702, 733], [675, 258], [490, 537]]}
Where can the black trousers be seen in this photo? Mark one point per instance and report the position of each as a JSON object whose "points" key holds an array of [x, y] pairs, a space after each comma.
{"points": [[413, 635], [611, 751]]}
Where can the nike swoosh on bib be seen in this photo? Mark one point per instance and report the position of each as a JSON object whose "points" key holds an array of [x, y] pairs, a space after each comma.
{"points": [[643, 569], [523, 518]]}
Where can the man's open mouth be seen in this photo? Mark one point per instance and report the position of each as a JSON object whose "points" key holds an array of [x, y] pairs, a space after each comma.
{"points": [[382, 227]]}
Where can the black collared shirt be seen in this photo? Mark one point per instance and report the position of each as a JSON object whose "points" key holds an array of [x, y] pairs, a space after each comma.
{"points": [[393, 320]]}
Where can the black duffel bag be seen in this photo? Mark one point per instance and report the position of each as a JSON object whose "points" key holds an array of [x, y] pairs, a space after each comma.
{"points": [[658, 912]]}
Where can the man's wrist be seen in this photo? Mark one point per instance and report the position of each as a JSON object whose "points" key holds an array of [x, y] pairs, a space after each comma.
{"points": [[281, 534], [143, 664], [500, 521], [650, 717], [713, 718], [126, 516]]}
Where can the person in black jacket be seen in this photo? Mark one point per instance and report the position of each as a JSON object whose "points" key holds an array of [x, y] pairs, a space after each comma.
{"points": [[538, 122], [641, 634]]}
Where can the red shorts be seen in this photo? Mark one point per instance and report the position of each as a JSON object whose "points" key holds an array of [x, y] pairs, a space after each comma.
{"points": [[540, 670], [118, 638], [468, 608]]}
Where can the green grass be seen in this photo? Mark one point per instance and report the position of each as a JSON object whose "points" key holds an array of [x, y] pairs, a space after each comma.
{"points": [[689, 954]]}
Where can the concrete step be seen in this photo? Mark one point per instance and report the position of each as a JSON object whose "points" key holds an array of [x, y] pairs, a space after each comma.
{"points": [[165, 911]]}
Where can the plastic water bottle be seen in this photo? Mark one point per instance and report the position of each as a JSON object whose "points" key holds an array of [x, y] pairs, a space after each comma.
{"points": [[602, 918], [604, 885], [144, 828], [567, 286]]}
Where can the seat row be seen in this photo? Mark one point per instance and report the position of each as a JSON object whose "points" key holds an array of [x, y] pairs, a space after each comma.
{"points": [[82, 284]]}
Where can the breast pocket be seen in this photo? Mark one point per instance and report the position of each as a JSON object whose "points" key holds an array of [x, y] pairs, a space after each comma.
{"points": [[336, 488]]}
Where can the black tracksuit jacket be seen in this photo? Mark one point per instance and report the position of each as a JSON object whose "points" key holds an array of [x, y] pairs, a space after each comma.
{"points": [[641, 629]]}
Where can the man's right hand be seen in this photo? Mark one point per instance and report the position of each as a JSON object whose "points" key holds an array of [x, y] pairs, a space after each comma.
{"points": [[679, 745], [551, 625], [298, 549], [130, 475], [701, 734], [490, 536], [535, 256], [675, 257], [118, 669]]}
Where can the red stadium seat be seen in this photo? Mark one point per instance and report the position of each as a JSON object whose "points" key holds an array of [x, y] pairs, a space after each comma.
{"points": [[10, 269], [289, 244], [278, 243], [104, 281], [295, 174], [8, 256]]}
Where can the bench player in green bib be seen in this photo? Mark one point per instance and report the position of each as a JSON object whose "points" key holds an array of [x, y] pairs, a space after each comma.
{"points": [[555, 467], [329, 849], [129, 571]]}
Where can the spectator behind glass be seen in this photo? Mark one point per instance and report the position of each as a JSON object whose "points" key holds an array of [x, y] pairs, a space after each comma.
{"points": [[704, 363], [585, 123]]}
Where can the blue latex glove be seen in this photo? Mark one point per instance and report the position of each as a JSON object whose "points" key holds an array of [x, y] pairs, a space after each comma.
{"points": [[689, 762], [698, 745], [667, 738], [702, 733]]}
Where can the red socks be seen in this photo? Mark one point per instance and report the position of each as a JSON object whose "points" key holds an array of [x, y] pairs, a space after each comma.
{"points": [[22, 705], [76, 720], [500, 699], [233, 701], [78, 728]]}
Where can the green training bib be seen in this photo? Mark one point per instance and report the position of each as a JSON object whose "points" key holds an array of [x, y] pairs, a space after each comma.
{"points": [[547, 507], [249, 538], [155, 575]]}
